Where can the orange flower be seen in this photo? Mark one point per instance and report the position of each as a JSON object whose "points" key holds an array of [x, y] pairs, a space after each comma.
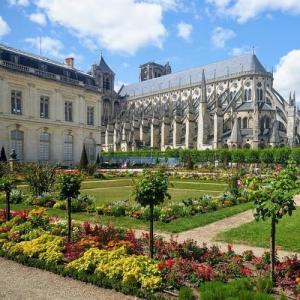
{"points": [[298, 280]]}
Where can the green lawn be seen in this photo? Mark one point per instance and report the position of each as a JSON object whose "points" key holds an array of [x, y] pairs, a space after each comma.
{"points": [[175, 226], [257, 233], [105, 195]]}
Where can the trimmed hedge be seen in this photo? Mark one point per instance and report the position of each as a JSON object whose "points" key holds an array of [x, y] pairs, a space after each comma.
{"points": [[266, 156]]}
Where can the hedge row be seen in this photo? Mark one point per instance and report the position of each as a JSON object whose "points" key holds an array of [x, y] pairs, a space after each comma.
{"points": [[266, 156]]}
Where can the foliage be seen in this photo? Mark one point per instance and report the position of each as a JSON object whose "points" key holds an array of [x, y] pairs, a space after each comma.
{"points": [[173, 210], [186, 293], [241, 289], [274, 197], [80, 203], [194, 156], [114, 258], [4, 169], [116, 265], [39, 177], [69, 183], [46, 247], [7, 183], [3, 157], [151, 188], [17, 196], [45, 200]]}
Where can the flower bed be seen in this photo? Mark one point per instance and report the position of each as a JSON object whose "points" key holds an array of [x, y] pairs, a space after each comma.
{"points": [[173, 210], [116, 258]]}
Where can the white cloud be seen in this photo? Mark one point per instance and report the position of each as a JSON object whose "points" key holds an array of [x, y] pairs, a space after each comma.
{"points": [[244, 10], [19, 2], [166, 4], [239, 51], [118, 85], [221, 35], [38, 18], [184, 30], [118, 25], [287, 73], [4, 28], [49, 46]]}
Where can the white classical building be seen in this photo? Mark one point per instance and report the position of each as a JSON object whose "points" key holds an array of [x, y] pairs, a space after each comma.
{"points": [[48, 110]]}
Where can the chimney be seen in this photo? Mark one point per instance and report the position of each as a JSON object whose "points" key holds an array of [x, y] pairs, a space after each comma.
{"points": [[69, 61]]}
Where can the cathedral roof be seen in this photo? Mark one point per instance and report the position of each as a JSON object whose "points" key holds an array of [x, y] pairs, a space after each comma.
{"points": [[231, 66]]}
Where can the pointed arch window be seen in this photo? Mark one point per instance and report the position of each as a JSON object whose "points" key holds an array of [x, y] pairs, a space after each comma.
{"points": [[245, 122], [17, 143]]}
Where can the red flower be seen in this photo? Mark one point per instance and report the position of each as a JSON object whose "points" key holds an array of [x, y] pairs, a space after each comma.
{"points": [[23, 214], [170, 262], [246, 271]]}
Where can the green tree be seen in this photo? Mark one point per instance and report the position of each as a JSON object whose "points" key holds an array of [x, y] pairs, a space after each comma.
{"points": [[273, 199], [6, 185], [151, 189], [69, 184], [83, 159], [39, 177]]}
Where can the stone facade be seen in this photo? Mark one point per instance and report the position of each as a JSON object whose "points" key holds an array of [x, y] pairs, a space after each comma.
{"points": [[48, 111], [231, 103]]}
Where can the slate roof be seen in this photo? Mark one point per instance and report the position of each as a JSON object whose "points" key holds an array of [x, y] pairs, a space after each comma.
{"points": [[103, 66], [231, 66], [40, 58], [245, 106]]}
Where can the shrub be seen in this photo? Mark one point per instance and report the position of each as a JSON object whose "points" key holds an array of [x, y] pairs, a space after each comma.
{"points": [[266, 156], [46, 200], [99, 176], [83, 159], [16, 196], [186, 293], [39, 177], [241, 289]]}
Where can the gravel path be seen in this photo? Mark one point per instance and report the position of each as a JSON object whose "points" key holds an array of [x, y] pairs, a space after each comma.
{"points": [[18, 282], [207, 234]]}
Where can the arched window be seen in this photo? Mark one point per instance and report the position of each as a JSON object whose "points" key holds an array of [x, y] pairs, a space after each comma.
{"points": [[17, 143], [250, 123], [245, 122], [106, 83], [259, 94], [106, 110], [267, 123], [240, 122], [246, 95], [68, 148], [90, 148], [44, 151]]}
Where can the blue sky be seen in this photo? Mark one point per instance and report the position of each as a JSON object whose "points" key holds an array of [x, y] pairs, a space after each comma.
{"points": [[187, 33]]}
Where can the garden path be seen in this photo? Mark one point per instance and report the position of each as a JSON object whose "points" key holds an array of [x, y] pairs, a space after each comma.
{"points": [[207, 234], [21, 282]]}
